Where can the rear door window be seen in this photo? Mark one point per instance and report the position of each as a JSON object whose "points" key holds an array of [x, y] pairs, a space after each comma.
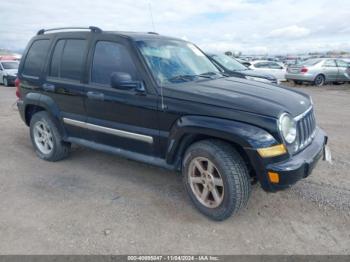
{"points": [[36, 57], [261, 65], [56, 59], [329, 63], [273, 65], [68, 58]]}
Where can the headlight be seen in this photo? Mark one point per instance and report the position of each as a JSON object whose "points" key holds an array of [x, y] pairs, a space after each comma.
{"points": [[259, 79], [287, 127]]}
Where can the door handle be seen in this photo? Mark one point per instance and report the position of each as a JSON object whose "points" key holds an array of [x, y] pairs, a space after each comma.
{"points": [[49, 87], [95, 95]]}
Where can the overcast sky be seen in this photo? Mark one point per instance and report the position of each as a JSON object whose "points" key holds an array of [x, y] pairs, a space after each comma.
{"points": [[250, 26]]}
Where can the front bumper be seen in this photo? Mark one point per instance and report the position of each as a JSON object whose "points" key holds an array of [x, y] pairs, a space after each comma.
{"points": [[293, 168], [11, 79], [300, 165]]}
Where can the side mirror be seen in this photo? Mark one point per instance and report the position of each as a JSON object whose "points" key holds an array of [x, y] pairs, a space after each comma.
{"points": [[123, 81]]}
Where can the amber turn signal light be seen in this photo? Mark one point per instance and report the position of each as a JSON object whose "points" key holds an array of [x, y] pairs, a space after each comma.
{"points": [[272, 151], [274, 177]]}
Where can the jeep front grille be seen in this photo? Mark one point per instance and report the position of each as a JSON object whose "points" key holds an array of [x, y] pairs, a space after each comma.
{"points": [[306, 127]]}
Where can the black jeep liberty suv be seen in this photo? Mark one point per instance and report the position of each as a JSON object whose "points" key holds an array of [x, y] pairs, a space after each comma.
{"points": [[160, 100]]}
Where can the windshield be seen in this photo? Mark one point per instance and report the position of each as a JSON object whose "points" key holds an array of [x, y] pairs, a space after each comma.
{"points": [[229, 62], [174, 61], [10, 65]]}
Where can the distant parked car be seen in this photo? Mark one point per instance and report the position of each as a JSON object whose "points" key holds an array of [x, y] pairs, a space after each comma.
{"points": [[232, 67], [8, 72], [320, 71], [270, 67]]}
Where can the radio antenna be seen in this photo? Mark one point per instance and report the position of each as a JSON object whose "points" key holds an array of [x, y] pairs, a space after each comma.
{"points": [[151, 13]]}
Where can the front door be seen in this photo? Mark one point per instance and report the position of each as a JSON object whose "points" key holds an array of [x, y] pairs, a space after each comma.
{"points": [[343, 71], [122, 118]]}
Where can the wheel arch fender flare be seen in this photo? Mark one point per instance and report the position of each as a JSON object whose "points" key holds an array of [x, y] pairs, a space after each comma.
{"points": [[48, 104], [186, 128]]}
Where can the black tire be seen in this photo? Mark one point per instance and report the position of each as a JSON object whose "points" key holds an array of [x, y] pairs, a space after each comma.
{"points": [[233, 171], [60, 149], [320, 80], [5, 81]]}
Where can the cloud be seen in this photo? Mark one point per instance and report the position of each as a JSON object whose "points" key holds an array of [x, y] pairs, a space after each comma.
{"points": [[293, 31], [249, 26]]}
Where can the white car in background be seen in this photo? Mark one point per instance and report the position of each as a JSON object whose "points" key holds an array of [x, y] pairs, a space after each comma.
{"points": [[276, 69], [8, 72]]}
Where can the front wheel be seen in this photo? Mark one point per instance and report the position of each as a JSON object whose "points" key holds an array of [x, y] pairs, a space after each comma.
{"points": [[216, 178], [5, 81]]}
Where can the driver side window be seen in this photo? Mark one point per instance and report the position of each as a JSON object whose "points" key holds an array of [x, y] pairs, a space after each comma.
{"points": [[110, 57]]}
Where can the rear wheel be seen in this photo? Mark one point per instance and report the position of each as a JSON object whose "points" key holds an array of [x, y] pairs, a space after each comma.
{"points": [[319, 80], [216, 179], [46, 139]]}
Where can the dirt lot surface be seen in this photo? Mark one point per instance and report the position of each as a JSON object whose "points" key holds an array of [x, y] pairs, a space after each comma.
{"points": [[95, 203]]}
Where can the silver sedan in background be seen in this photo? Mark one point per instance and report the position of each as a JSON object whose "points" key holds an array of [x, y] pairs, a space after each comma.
{"points": [[319, 71]]}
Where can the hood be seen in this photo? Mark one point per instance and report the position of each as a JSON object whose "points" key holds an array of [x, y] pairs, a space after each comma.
{"points": [[253, 73], [11, 71], [243, 95]]}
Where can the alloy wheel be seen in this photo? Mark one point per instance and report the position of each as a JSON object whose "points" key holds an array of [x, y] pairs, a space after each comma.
{"points": [[43, 137], [319, 81], [206, 182]]}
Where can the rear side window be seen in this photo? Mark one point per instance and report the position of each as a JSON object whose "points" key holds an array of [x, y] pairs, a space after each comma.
{"points": [[110, 57], [274, 66], [67, 59], [261, 65], [36, 57], [329, 63]]}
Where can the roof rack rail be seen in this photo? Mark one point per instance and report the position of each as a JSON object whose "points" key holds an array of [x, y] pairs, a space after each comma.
{"points": [[152, 33], [93, 29]]}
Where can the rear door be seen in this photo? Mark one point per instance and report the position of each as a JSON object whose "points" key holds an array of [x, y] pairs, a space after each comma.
{"points": [[343, 70], [120, 118], [63, 82], [330, 70]]}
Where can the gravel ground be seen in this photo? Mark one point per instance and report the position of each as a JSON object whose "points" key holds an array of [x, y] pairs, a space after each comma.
{"points": [[95, 203]]}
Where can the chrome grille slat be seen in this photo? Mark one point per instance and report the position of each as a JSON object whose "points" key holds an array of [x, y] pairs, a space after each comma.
{"points": [[306, 126]]}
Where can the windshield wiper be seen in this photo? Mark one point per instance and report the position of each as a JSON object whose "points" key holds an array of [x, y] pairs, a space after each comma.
{"points": [[182, 78], [208, 75]]}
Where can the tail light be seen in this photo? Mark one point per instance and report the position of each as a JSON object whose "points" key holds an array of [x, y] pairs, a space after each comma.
{"points": [[17, 84], [304, 70]]}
